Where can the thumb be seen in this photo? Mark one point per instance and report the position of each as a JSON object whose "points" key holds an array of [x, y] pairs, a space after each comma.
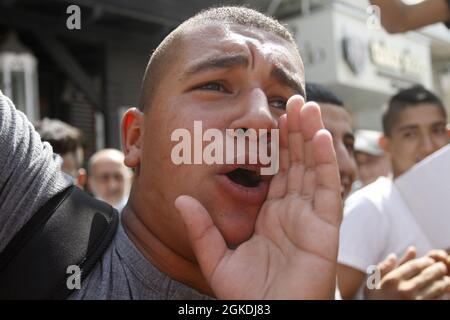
{"points": [[206, 240]]}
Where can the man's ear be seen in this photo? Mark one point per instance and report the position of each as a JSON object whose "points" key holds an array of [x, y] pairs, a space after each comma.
{"points": [[82, 178], [132, 136], [448, 130], [383, 142]]}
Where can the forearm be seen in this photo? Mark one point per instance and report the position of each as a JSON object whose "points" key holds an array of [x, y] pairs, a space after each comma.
{"points": [[349, 281], [399, 17]]}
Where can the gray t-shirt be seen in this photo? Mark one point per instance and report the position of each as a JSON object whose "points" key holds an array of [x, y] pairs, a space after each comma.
{"points": [[29, 177]]}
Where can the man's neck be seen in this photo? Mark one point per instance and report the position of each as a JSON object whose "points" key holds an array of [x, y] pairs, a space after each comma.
{"points": [[160, 255]]}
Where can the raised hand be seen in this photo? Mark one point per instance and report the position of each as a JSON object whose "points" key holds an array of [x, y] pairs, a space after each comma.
{"points": [[293, 251], [413, 278]]}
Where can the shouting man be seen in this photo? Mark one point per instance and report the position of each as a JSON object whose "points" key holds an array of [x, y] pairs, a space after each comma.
{"points": [[201, 231]]}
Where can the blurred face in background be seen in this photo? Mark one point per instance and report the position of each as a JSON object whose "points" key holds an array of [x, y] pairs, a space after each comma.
{"points": [[337, 120], [371, 167], [419, 131], [109, 178]]}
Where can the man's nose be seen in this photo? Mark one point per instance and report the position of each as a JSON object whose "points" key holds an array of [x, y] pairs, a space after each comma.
{"points": [[256, 113], [426, 146], [112, 184], [346, 162]]}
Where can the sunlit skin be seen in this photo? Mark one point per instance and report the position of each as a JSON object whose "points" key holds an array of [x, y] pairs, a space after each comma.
{"points": [[419, 132], [249, 88], [338, 121], [400, 16]]}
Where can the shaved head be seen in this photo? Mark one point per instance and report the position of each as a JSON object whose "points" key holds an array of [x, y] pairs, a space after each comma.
{"points": [[106, 155], [164, 55]]}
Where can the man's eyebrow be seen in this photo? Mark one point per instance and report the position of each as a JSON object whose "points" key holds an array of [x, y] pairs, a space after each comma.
{"points": [[222, 62], [240, 60], [408, 127], [439, 124], [288, 80]]}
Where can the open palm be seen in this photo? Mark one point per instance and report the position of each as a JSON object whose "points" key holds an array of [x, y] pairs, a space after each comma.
{"points": [[293, 252]]}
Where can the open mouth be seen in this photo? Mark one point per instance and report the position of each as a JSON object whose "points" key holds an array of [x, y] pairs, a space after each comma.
{"points": [[244, 183], [245, 177]]}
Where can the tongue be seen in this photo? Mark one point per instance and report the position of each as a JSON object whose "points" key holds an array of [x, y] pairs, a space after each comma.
{"points": [[244, 177]]}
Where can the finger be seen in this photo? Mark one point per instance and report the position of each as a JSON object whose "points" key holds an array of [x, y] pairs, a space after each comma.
{"points": [[325, 159], [436, 290], [412, 268], [295, 137], [426, 278], [311, 123], [206, 240], [440, 255], [327, 197], [278, 183], [409, 255], [387, 265], [296, 145]]}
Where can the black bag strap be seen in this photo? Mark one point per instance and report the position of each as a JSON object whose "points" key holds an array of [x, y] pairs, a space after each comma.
{"points": [[71, 229]]}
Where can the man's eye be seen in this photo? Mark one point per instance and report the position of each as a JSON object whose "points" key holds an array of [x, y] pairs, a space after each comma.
{"points": [[213, 86], [409, 135], [278, 103], [440, 131]]}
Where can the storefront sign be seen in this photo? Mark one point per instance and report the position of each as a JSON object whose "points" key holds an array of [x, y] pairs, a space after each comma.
{"points": [[391, 59]]}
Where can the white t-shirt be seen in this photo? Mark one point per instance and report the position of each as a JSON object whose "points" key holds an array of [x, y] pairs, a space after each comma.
{"points": [[377, 223]]}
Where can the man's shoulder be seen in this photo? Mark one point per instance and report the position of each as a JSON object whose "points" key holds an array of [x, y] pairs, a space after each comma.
{"points": [[374, 194]]}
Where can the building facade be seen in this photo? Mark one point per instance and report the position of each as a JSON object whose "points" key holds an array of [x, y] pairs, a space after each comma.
{"points": [[344, 46]]}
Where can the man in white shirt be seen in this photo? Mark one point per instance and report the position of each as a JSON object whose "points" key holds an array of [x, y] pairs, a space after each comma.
{"points": [[414, 125], [208, 230]]}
